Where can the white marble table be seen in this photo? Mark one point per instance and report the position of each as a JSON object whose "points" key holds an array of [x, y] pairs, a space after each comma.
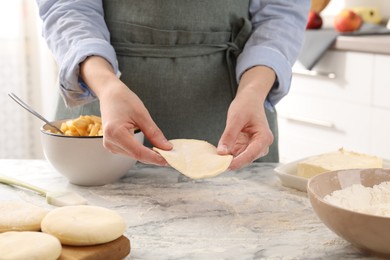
{"points": [[238, 215]]}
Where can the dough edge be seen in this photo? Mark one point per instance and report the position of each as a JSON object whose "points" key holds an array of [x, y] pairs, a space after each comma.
{"points": [[176, 165]]}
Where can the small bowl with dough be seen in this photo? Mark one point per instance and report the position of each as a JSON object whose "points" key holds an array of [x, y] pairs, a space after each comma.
{"points": [[83, 160], [355, 204]]}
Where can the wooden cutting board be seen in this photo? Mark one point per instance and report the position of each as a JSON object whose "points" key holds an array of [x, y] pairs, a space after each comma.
{"points": [[114, 250]]}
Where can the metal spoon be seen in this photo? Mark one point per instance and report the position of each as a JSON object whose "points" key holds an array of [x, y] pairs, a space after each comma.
{"points": [[32, 111]]}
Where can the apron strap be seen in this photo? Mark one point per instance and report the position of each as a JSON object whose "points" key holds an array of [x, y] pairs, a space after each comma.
{"points": [[143, 41], [235, 48]]}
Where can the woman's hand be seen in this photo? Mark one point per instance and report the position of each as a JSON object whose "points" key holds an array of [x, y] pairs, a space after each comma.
{"points": [[122, 112], [247, 135]]}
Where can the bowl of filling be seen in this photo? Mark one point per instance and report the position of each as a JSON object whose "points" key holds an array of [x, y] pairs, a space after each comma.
{"points": [[355, 204], [79, 155]]}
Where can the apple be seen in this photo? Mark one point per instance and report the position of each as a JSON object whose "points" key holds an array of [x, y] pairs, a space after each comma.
{"points": [[347, 21], [314, 20]]}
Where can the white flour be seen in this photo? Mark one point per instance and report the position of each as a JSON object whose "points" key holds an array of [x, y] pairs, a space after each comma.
{"points": [[374, 201]]}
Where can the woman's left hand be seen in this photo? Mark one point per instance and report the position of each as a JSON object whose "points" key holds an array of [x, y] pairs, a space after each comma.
{"points": [[247, 135]]}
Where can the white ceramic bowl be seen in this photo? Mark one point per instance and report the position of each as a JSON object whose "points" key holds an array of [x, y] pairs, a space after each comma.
{"points": [[84, 160]]}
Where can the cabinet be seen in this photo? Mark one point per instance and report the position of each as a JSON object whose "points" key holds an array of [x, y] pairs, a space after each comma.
{"points": [[381, 107], [351, 110]]}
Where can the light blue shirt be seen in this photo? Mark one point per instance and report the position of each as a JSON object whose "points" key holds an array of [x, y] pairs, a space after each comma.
{"points": [[75, 29]]}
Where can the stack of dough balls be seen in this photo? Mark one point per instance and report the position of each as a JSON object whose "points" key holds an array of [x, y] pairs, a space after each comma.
{"points": [[19, 223], [84, 225]]}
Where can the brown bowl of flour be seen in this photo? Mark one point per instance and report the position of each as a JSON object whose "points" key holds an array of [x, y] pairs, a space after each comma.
{"points": [[355, 204]]}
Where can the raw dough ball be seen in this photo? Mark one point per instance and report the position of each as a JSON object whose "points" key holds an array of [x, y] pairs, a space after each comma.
{"points": [[84, 225], [20, 216], [29, 245], [195, 158]]}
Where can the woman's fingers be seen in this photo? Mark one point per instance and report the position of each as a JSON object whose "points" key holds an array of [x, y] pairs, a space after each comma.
{"points": [[123, 141], [153, 133], [121, 117], [252, 152], [247, 135], [230, 135]]}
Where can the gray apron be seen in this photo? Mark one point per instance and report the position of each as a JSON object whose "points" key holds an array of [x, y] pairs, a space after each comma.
{"points": [[179, 57]]}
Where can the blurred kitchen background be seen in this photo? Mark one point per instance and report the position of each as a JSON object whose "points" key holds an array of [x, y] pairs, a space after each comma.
{"points": [[28, 69]]}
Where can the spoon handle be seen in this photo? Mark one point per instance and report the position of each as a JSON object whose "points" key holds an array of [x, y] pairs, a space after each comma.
{"points": [[25, 106], [32, 111]]}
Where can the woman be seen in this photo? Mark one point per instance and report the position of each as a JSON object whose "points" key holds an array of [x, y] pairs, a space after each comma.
{"points": [[206, 69]]}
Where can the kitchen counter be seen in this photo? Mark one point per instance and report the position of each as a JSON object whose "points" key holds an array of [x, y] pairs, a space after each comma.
{"points": [[245, 214], [379, 44]]}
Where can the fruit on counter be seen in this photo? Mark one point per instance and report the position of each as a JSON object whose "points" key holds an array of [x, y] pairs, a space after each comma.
{"points": [[339, 160], [347, 21], [314, 20], [369, 14]]}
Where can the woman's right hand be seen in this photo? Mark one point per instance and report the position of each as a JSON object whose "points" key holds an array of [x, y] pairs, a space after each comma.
{"points": [[122, 111]]}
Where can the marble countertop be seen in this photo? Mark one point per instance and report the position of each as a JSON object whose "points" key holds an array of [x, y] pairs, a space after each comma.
{"points": [[245, 214]]}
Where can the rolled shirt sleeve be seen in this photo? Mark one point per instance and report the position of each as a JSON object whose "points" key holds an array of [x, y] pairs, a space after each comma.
{"points": [[277, 38], [74, 30]]}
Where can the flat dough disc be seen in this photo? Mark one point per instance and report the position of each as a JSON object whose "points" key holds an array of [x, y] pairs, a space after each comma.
{"points": [[20, 216], [84, 225], [196, 159], [29, 245]]}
